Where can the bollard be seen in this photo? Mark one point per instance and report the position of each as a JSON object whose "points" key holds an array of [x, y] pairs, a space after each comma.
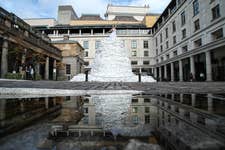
{"points": [[86, 76], [139, 77]]}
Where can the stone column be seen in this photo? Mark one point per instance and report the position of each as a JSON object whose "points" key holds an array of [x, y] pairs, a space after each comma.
{"points": [[192, 66], [68, 32], [160, 74], [155, 72], [47, 68], [2, 111], [92, 32], [210, 102], [193, 100], [180, 70], [181, 98], [80, 32], [103, 32], [4, 61], [172, 72], [165, 72], [208, 66], [46, 103], [54, 70], [24, 56]]}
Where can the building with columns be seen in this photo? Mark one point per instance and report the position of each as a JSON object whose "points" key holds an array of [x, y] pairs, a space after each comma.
{"points": [[133, 27], [188, 40], [22, 46]]}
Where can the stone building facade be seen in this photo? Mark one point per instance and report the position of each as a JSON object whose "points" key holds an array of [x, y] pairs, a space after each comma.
{"points": [[23, 47], [184, 43], [188, 40], [72, 58], [90, 29]]}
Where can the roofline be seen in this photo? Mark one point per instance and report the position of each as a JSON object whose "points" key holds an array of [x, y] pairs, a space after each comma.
{"points": [[147, 6], [37, 18], [67, 42]]}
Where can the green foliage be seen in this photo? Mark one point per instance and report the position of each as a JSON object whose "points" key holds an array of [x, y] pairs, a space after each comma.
{"points": [[38, 77], [17, 76]]}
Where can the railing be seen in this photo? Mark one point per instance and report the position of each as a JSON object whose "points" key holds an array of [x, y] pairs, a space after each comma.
{"points": [[19, 27]]}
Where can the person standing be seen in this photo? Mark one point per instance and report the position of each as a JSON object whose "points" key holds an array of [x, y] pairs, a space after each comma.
{"points": [[31, 73]]}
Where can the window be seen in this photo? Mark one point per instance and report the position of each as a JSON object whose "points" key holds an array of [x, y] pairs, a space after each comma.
{"points": [[85, 110], [198, 43], [162, 58], [86, 54], [147, 109], [86, 100], [134, 63], [161, 48], [156, 51], [183, 19], [174, 26], [85, 44], [167, 44], [175, 53], [184, 49], [134, 110], [147, 100], [156, 41], [86, 63], [197, 25], [133, 44], [97, 44], [147, 119], [184, 33], [161, 38], [166, 33], [134, 100], [134, 53], [145, 62], [145, 44], [174, 40], [68, 67], [218, 34], [168, 56], [135, 119], [216, 12], [146, 54], [195, 7]]}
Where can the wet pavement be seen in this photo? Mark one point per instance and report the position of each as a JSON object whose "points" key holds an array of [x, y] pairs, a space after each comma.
{"points": [[149, 88], [119, 121]]}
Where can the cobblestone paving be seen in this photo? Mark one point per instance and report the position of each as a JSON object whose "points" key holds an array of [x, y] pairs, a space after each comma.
{"points": [[150, 88]]}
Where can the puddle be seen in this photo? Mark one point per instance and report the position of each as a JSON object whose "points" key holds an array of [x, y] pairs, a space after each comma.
{"points": [[113, 121]]}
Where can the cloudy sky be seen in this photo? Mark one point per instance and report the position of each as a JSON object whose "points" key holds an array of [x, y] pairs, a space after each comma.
{"points": [[48, 8]]}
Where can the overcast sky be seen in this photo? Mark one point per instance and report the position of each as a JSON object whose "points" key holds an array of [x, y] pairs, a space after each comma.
{"points": [[48, 8]]}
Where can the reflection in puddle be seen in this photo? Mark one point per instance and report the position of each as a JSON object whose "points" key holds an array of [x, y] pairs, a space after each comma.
{"points": [[174, 121]]}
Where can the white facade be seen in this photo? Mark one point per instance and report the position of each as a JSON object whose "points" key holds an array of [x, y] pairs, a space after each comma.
{"points": [[143, 54], [187, 42], [137, 12]]}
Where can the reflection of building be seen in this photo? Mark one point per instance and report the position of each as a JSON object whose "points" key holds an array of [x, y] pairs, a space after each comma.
{"points": [[142, 111], [189, 121], [89, 111], [17, 113]]}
